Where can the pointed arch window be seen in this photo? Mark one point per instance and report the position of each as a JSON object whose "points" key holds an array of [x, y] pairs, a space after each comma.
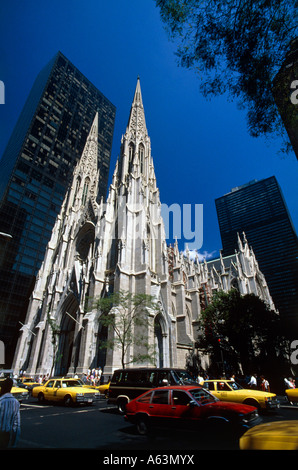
{"points": [[85, 191], [78, 183], [141, 158], [131, 151], [188, 321]]}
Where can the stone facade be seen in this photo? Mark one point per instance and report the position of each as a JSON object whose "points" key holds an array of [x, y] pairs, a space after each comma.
{"points": [[99, 247]]}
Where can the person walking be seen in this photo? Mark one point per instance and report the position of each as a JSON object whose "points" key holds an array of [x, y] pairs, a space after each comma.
{"points": [[265, 387], [10, 421], [253, 382]]}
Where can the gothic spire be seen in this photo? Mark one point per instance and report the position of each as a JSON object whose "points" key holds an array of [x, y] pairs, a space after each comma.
{"points": [[86, 172], [135, 143], [137, 124]]}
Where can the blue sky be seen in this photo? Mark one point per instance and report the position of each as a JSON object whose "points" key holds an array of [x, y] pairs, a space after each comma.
{"points": [[201, 149]]}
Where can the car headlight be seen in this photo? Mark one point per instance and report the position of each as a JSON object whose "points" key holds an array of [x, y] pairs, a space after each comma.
{"points": [[247, 418], [80, 394]]}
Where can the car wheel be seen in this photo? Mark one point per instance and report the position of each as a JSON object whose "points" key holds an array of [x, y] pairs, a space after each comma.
{"points": [[40, 397], [122, 406], [68, 400], [252, 402], [142, 425]]}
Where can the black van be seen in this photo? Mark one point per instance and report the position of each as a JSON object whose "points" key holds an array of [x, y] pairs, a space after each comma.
{"points": [[127, 384]]}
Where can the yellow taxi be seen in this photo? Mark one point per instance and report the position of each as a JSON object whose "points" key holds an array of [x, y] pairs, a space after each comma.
{"points": [[103, 389], [19, 393], [229, 390], [70, 391], [292, 394], [276, 435], [27, 382]]}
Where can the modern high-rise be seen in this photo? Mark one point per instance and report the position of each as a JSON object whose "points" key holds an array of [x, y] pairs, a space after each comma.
{"points": [[258, 208], [36, 169]]}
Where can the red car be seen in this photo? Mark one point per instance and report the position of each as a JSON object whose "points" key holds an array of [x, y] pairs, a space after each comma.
{"points": [[187, 406]]}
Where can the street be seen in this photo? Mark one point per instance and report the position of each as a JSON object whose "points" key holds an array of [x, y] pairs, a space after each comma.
{"points": [[100, 426]]}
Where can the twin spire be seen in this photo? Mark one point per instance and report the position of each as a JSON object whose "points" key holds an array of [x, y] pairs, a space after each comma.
{"points": [[137, 123], [135, 151]]}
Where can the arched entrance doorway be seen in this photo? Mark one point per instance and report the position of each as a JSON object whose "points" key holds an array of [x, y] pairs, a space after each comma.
{"points": [[65, 356]]}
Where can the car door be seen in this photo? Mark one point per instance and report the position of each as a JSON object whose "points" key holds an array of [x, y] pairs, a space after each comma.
{"points": [[49, 390], [182, 411], [57, 390], [159, 407], [223, 391]]}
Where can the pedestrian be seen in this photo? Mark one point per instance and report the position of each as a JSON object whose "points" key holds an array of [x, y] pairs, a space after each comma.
{"points": [[84, 378], [200, 379], [10, 421], [253, 382], [289, 383], [264, 384]]}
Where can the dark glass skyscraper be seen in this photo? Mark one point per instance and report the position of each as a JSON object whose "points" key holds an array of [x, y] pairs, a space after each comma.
{"points": [[36, 169], [258, 209]]}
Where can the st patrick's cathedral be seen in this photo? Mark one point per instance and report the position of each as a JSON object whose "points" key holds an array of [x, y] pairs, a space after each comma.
{"points": [[94, 250]]}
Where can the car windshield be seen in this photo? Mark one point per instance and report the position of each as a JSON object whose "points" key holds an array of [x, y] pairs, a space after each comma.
{"points": [[72, 383], [235, 385], [202, 396], [182, 377]]}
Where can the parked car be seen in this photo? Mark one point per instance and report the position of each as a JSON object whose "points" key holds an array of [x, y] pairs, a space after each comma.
{"points": [[103, 389], [292, 394], [66, 390], [189, 407], [276, 435], [27, 382], [19, 393], [127, 384], [229, 390]]}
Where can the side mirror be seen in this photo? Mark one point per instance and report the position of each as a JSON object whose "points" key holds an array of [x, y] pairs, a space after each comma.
{"points": [[193, 403]]}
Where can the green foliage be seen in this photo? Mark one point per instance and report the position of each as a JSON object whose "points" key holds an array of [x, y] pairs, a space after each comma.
{"points": [[236, 47], [249, 331], [127, 315]]}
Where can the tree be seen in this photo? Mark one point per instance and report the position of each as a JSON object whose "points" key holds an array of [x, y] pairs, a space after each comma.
{"points": [[244, 329], [128, 315], [235, 46]]}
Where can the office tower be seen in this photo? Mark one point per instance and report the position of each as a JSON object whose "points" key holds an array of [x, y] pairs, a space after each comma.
{"points": [[285, 92], [36, 169], [259, 209]]}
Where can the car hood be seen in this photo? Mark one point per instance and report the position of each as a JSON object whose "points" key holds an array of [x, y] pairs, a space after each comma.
{"points": [[253, 393], [18, 390], [239, 407], [282, 435], [78, 389]]}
